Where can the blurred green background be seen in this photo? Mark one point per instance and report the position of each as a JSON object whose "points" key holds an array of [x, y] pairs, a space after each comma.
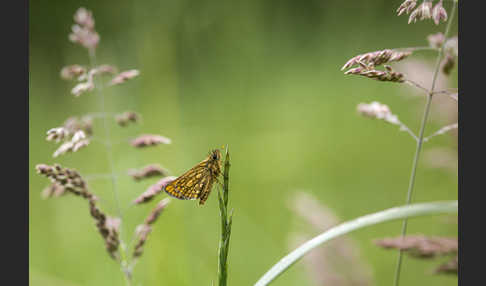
{"points": [[261, 76]]}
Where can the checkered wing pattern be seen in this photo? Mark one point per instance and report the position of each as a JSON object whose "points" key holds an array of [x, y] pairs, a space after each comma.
{"points": [[197, 182], [192, 184]]}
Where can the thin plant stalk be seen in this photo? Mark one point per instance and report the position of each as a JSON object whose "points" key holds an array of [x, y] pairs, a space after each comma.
{"points": [[122, 249], [395, 213], [226, 221], [420, 141], [109, 151]]}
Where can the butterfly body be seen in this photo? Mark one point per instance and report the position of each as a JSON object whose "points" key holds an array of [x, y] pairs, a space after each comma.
{"points": [[198, 181]]}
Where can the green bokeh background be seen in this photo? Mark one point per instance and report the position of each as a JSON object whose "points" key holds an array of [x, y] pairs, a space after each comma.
{"points": [[261, 76]]}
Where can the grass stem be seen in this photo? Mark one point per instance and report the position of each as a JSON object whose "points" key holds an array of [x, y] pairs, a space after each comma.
{"points": [[226, 221], [420, 141], [113, 176]]}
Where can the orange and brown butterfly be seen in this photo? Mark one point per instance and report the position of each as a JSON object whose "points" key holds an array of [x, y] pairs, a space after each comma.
{"points": [[198, 181]]}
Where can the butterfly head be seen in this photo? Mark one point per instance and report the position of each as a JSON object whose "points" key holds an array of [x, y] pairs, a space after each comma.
{"points": [[215, 161], [215, 155]]}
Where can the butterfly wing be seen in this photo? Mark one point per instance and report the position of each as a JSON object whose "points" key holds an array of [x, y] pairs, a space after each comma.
{"points": [[206, 189], [190, 185]]}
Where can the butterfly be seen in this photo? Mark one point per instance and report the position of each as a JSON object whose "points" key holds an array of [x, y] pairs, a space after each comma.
{"points": [[198, 181]]}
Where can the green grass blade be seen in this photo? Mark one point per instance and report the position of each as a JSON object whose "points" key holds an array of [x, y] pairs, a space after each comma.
{"points": [[349, 226]]}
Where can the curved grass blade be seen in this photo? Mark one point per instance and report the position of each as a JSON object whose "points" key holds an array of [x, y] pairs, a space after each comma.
{"points": [[349, 226]]}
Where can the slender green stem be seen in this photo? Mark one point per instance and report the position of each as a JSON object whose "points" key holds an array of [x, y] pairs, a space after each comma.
{"points": [[420, 141], [412, 180], [125, 265], [226, 221], [109, 152]]}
